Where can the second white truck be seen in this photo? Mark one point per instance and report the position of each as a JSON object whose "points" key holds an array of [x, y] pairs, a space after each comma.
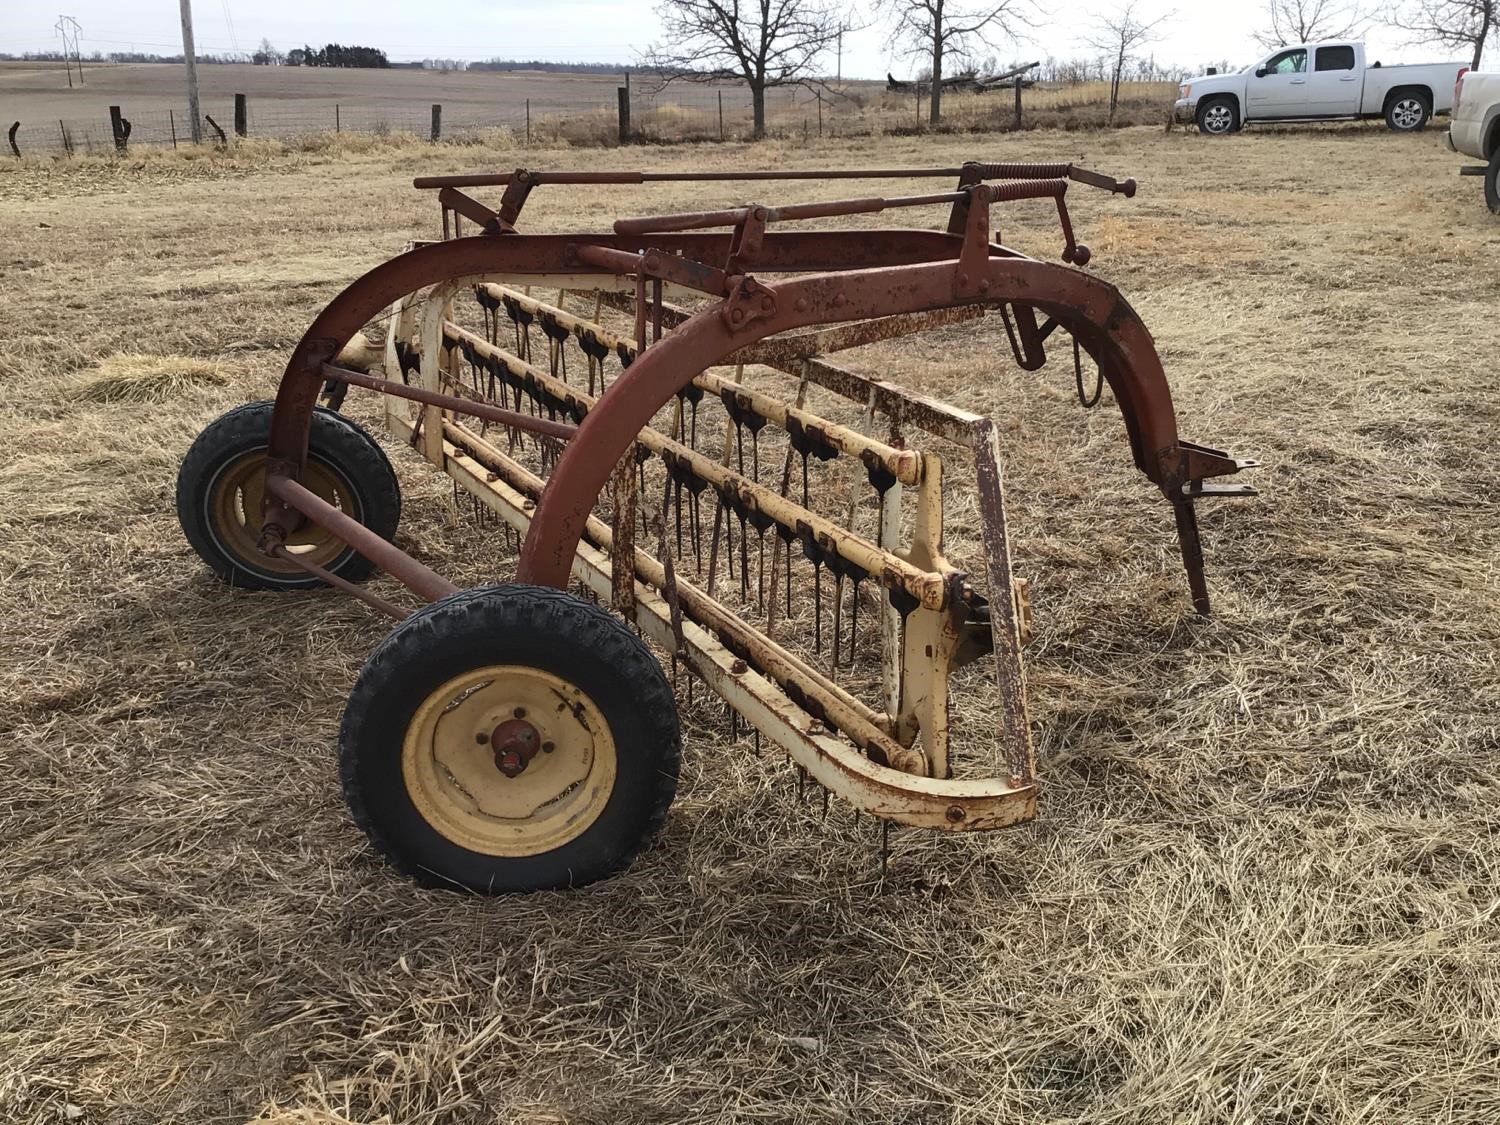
{"points": [[1318, 82], [1475, 130]]}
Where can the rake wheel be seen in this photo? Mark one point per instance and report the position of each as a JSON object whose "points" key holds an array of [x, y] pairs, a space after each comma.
{"points": [[510, 738], [222, 482]]}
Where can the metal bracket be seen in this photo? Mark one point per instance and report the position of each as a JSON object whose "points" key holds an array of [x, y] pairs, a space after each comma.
{"points": [[748, 301]]}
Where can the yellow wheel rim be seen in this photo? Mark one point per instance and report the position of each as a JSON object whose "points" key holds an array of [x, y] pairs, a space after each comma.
{"points": [[235, 508], [451, 761]]}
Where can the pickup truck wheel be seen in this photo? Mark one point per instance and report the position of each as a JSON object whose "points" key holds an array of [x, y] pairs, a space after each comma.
{"points": [[1407, 113], [1218, 116], [1492, 183]]}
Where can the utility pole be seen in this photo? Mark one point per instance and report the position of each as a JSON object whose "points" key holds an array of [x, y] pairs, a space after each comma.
{"points": [[192, 70], [68, 28]]}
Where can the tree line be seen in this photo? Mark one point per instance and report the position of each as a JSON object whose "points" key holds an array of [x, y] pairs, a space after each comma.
{"points": [[772, 43]]}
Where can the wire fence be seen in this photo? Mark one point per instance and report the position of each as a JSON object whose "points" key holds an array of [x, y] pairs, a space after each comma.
{"points": [[672, 112]]}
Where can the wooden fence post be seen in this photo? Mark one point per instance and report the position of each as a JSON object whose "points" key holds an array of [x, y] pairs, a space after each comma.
{"points": [[528, 120], [437, 123], [118, 129], [214, 125], [11, 136], [1018, 101], [721, 115], [241, 116], [623, 94]]}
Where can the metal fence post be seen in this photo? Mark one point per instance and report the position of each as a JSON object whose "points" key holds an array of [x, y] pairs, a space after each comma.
{"points": [[437, 123], [721, 115], [1018, 101], [623, 93], [337, 128], [172, 121], [241, 116]]}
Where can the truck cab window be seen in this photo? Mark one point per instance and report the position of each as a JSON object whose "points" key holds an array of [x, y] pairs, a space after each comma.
{"points": [[1335, 58], [1288, 62]]}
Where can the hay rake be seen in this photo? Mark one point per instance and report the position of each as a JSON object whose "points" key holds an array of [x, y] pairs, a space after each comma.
{"points": [[680, 445]]}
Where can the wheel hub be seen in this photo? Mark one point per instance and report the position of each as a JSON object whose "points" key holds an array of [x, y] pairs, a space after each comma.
{"points": [[515, 743], [509, 760]]}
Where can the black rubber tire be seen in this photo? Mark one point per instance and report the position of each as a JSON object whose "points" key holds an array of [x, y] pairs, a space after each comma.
{"points": [[537, 627], [337, 443], [1492, 184], [1226, 102], [1399, 99]]}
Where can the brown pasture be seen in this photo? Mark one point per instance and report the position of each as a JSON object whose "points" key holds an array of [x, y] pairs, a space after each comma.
{"points": [[1264, 885]]}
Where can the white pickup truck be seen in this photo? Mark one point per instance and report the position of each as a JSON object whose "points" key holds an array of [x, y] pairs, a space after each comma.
{"points": [[1475, 130], [1318, 82]]}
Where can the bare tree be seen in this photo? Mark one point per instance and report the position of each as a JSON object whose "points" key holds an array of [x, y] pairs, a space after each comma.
{"points": [[937, 28], [1309, 21], [1461, 24], [267, 54], [1119, 36], [765, 43]]}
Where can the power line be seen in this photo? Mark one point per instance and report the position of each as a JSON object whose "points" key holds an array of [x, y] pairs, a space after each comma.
{"points": [[228, 19]]}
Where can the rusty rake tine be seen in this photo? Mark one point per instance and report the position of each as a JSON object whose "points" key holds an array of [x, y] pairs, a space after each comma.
{"points": [[838, 605]]}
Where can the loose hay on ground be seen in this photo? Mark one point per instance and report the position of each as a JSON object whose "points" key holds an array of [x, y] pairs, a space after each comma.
{"points": [[128, 377], [1264, 885]]}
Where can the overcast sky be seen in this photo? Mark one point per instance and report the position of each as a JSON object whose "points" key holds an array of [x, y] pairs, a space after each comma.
{"points": [[583, 30]]}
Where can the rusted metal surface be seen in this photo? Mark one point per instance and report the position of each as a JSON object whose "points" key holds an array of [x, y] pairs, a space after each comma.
{"points": [[455, 403], [419, 579], [784, 298], [390, 609]]}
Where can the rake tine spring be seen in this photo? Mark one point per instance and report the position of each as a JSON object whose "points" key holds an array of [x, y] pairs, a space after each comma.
{"points": [[853, 622], [786, 558], [757, 742], [825, 804], [678, 506], [760, 573], [697, 530], [744, 562], [885, 848], [728, 548], [693, 437], [734, 722], [801, 785], [817, 606], [713, 547], [838, 605]]}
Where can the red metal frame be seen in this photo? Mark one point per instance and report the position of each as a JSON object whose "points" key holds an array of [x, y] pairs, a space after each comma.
{"points": [[838, 276]]}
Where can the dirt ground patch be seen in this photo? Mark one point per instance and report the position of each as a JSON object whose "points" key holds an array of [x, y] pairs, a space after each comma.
{"points": [[1264, 884]]}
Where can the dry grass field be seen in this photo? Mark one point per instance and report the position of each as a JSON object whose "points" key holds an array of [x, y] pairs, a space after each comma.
{"points": [[1264, 886], [569, 108]]}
